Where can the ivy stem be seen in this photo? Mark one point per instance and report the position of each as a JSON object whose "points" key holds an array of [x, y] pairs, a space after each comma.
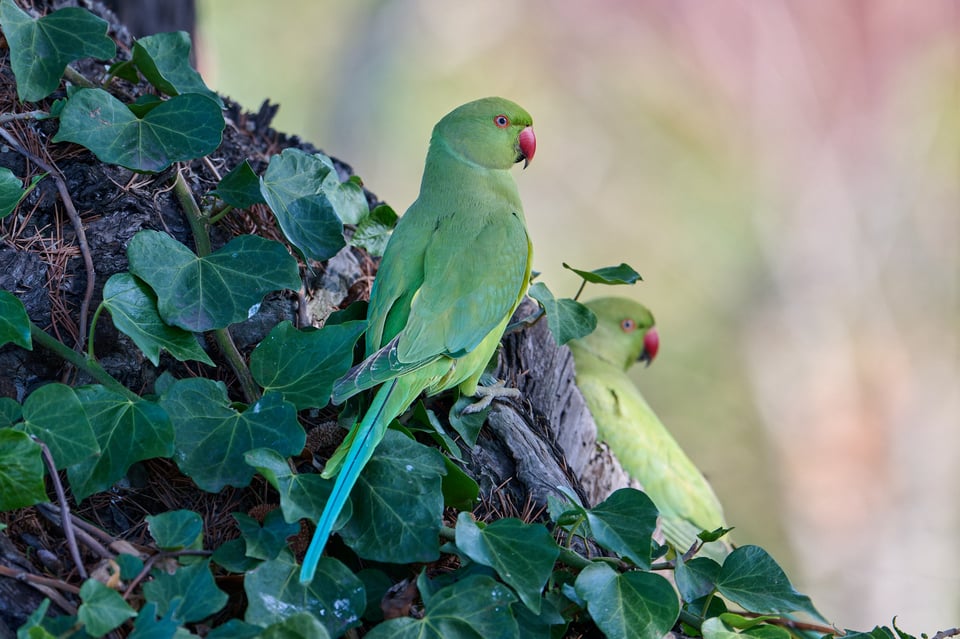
{"points": [[87, 365], [201, 238], [93, 325], [77, 78], [65, 522]]}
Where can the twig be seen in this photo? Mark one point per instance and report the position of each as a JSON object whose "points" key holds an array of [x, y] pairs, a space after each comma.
{"points": [[65, 523], [45, 585], [81, 534]]}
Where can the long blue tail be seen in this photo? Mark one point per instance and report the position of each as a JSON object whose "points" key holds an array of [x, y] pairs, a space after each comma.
{"points": [[369, 433]]}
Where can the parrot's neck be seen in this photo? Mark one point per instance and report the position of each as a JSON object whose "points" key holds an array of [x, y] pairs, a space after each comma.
{"points": [[450, 176], [595, 358]]}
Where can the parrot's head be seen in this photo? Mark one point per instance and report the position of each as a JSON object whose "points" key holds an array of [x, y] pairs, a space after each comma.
{"points": [[625, 332], [492, 132]]}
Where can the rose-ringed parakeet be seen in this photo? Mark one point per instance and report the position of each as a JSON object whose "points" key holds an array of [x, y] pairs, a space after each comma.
{"points": [[625, 334], [454, 270]]}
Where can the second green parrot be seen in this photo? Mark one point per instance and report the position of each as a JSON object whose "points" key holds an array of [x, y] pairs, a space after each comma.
{"points": [[454, 270], [625, 334]]}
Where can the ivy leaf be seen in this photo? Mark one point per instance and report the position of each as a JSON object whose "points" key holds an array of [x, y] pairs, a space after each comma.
{"points": [[10, 412], [310, 202], [522, 554], [751, 578], [190, 594], [301, 625], [41, 49], [21, 471], [274, 592], [54, 415], [211, 437], [374, 230], [476, 606], [397, 503], [164, 60], [204, 293], [176, 530], [265, 542], [696, 578], [240, 188], [103, 609], [12, 191], [460, 490], [567, 318], [633, 604], [232, 556], [624, 523], [611, 275], [133, 307], [182, 128], [14, 322], [236, 629], [127, 431], [304, 364]]}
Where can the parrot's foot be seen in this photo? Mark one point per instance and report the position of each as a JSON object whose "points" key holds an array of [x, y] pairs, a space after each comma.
{"points": [[487, 394]]}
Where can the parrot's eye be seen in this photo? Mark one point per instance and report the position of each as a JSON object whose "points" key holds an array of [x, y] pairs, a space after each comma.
{"points": [[501, 121], [628, 325]]}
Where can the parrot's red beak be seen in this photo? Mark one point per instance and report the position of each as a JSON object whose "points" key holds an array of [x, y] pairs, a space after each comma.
{"points": [[528, 145], [651, 344]]}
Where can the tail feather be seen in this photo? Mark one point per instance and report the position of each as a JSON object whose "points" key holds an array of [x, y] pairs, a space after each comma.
{"points": [[378, 368], [370, 432]]}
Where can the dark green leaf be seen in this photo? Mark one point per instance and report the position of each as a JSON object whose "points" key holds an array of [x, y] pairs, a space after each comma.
{"points": [[103, 609], [125, 70], [236, 629], [14, 322], [176, 530], [467, 425], [474, 607], [335, 596], [126, 431], [199, 294], [567, 319], [623, 274], [301, 625], [304, 364], [397, 503], [374, 230], [183, 128], [767, 631], [696, 578], [548, 624], [211, 437], [164, 60], [133, 307], [460, 490], [41, 49], [522, 554], [130, 566], [624, 523], [144, 104], [12, 191], [232, 556], [265, 542], [639, 605], [240, 188], [149, 626], [54, 415], [21, 471], [751, 578], [10, 411], [190, 593]]}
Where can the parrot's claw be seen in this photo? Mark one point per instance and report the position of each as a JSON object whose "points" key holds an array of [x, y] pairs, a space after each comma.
{"points": [[487, 394]]}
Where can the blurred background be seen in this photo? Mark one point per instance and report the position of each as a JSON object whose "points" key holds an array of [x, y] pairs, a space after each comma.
{"points": [[786, 177]]}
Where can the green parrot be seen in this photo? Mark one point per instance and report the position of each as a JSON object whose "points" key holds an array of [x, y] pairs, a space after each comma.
{"points": [[453, 272], [625, 334]]}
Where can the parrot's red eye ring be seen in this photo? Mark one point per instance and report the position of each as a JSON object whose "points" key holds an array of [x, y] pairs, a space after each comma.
{"points": [[628, 325], [501, 121]]}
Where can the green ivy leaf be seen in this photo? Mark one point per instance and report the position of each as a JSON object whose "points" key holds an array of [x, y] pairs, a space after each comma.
{"points": [[624, 523], [476, 606], [10, 411], [460, 490], [182, 128], [301, 625], [304, 364], [103, 609], [611, 275], [265, 542], [397, 503], [41, 49], [54, 415], [640, 605], [374, 230], [21, 471], [12, 191], [176, 530], [522, 554], [696, 578], [467, 425], [211, 437], [164, 60], [567, 318], [133, 307], [714, 628], [236, 629], [190, 594], [335, 596], [240, 188], [14, 322], [127, 431], [204, 293], [751, 578], [232, 556], [148, 626]]}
